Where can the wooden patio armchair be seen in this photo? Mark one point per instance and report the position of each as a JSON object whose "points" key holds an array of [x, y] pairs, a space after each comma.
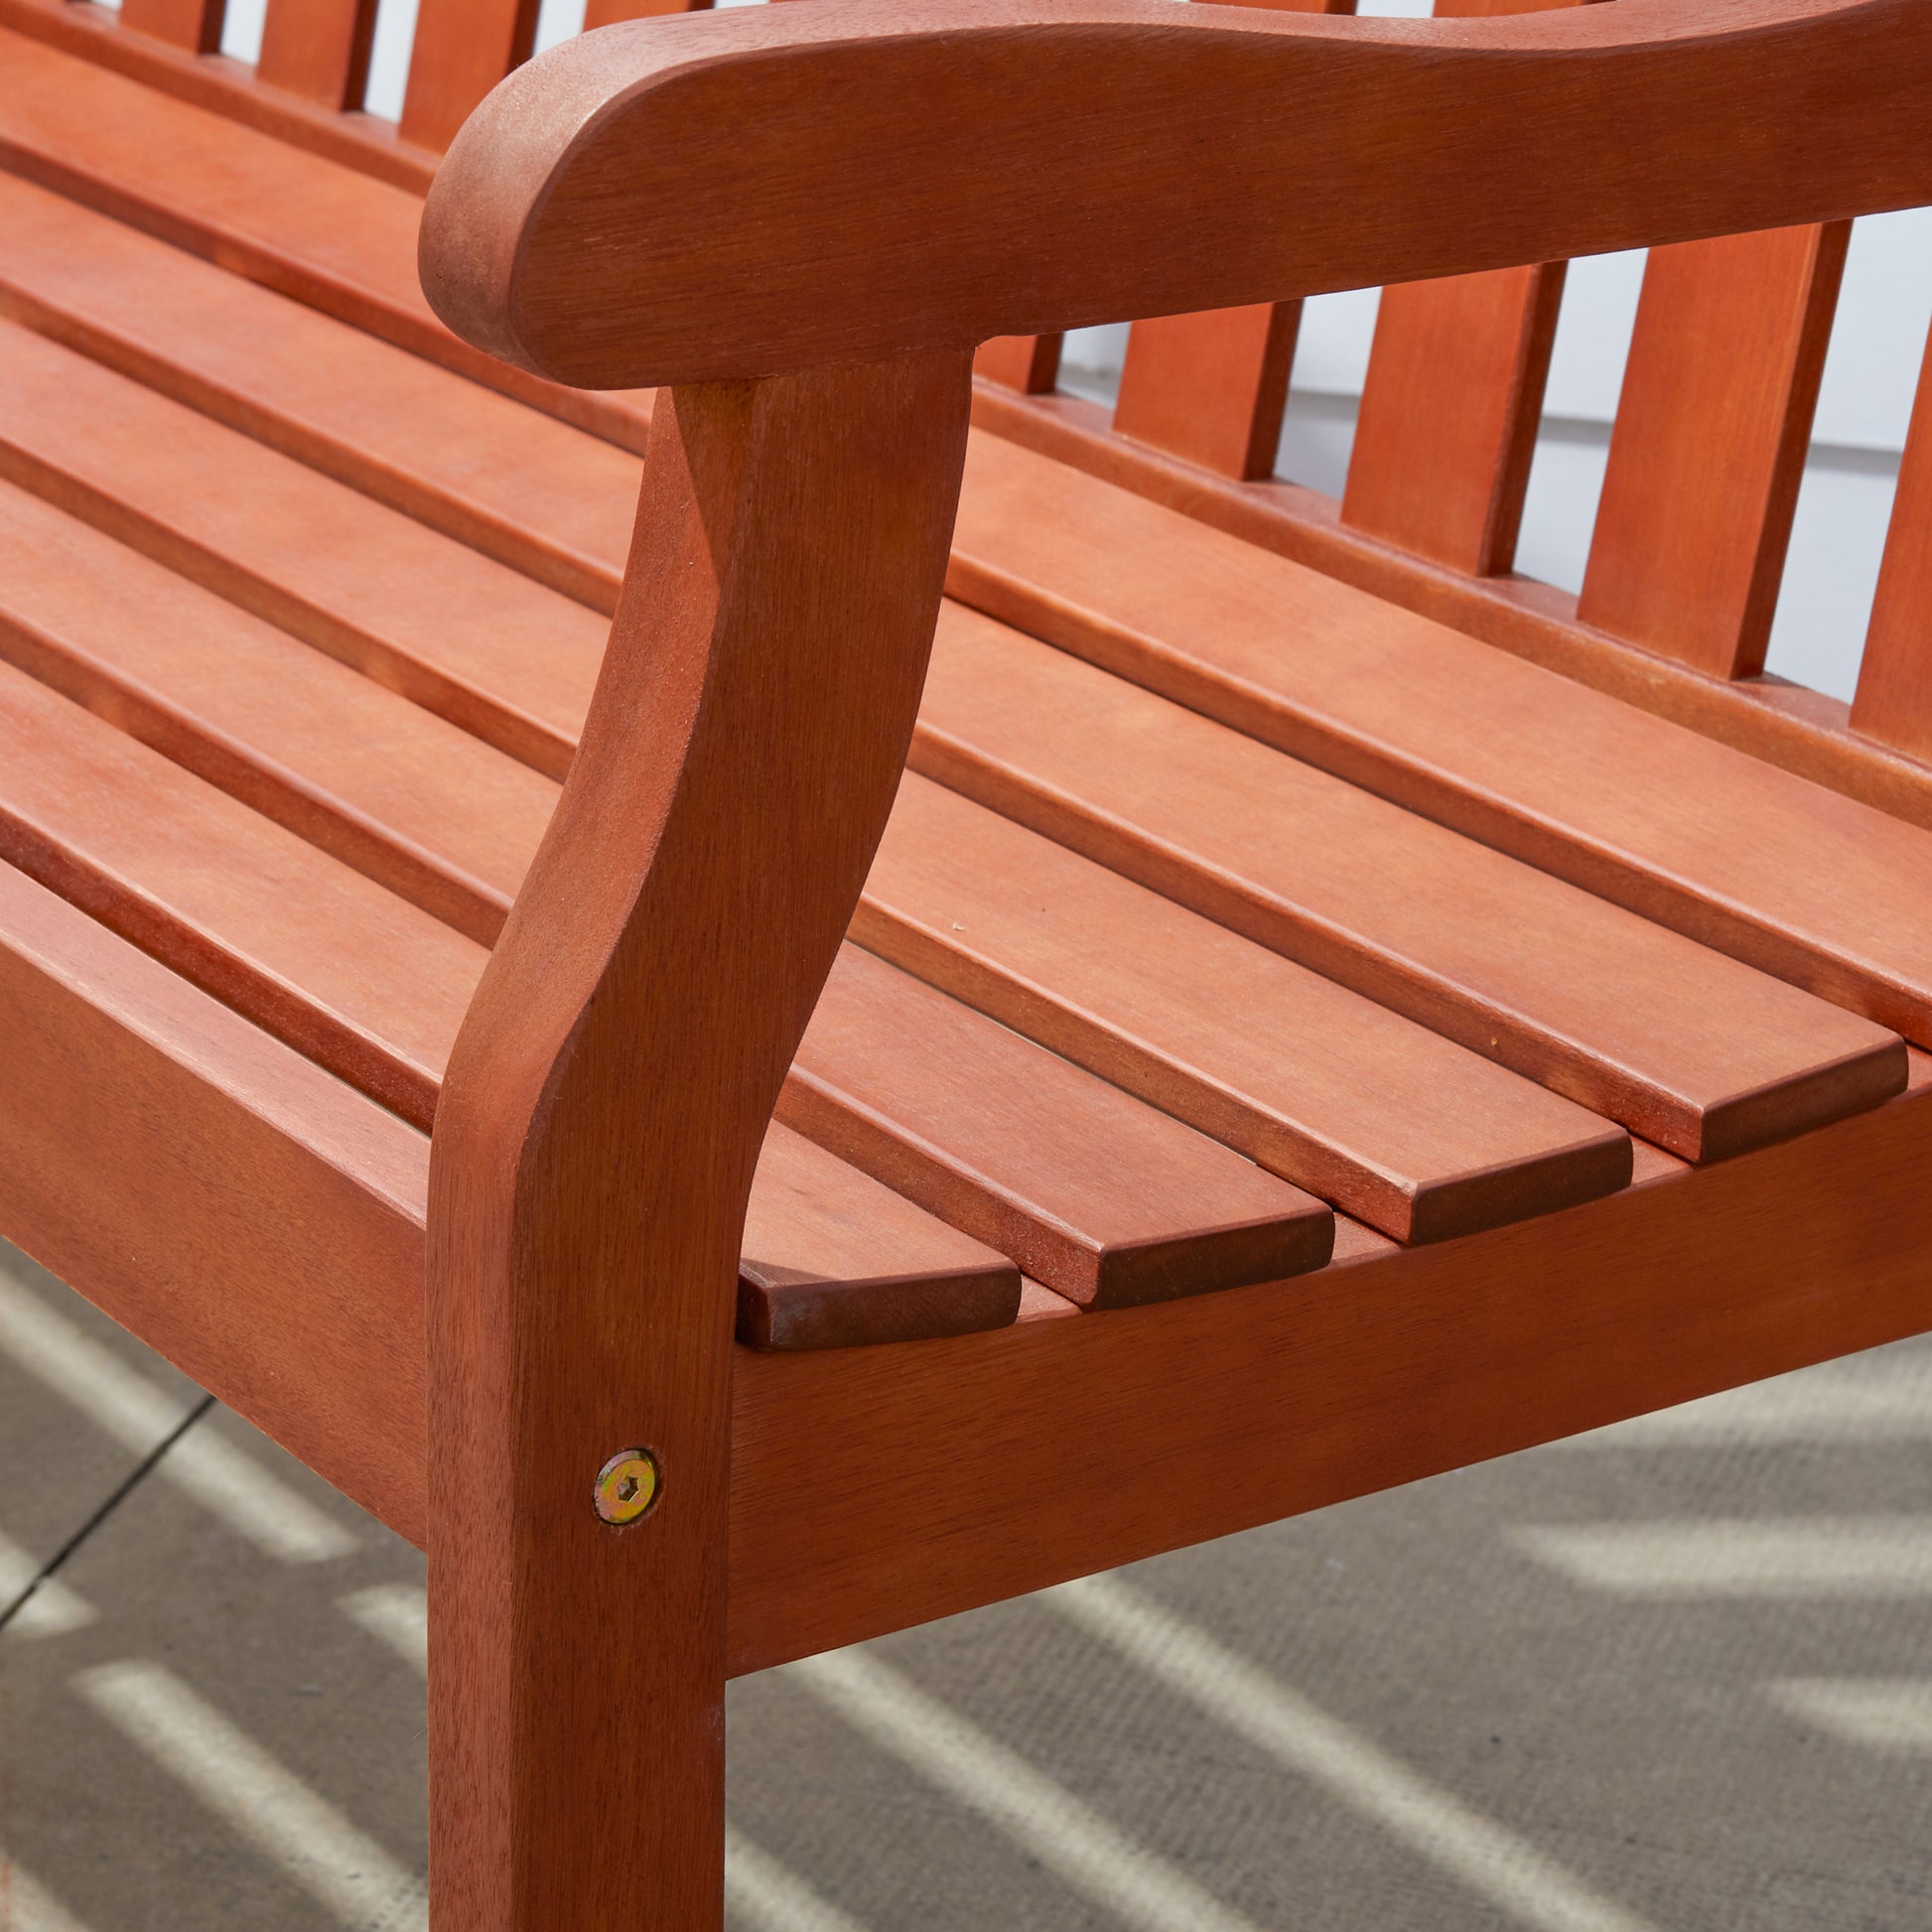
{"points": [[1280, 1007]]}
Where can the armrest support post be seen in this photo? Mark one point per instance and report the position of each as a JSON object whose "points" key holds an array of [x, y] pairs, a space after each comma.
{"points": [[603, 1115]]}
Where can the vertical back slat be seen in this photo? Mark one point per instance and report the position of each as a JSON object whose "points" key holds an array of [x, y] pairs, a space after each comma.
{"points": [[606, 13], [192, 23], [1710, 444], [1028, 364], [1210, 387], [319, 49], [463, 49], [1894, 696], [1453, 401], [1449, 414]]}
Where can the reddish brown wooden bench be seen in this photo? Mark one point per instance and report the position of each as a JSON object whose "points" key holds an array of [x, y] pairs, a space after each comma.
{"points": [[1393, 1012]]}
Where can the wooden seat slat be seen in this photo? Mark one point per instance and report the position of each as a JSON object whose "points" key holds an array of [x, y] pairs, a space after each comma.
{"points": [[472, 639], [1803, 883], [363, 983], [334, 238], [1028, 364], [554, 502], [1894, 695], [1092, 1192], [434, 814], [373, 991], [1710, 443], [834, 1259], [418, 805], [461, 49], [1682, 1045], [1396, 1126]]}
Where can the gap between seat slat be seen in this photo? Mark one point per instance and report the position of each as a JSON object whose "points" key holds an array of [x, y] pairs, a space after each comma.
{"points": [[1572, 1030]]}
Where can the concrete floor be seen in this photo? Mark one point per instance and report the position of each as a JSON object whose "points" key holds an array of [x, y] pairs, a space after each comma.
{"points": [[1677, 1676]]}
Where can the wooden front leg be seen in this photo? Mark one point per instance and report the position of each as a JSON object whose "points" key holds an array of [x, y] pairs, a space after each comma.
{"points": [[602, 1114]]}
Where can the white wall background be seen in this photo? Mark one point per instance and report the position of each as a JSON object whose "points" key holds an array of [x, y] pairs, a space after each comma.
{"points": [[1866, 402]]}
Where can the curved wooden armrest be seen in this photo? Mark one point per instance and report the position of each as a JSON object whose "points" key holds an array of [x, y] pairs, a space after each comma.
{"points": [[757, 190]]}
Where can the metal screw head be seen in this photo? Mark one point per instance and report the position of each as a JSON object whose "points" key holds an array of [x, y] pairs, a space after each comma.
{"points": [[626, 1485]]}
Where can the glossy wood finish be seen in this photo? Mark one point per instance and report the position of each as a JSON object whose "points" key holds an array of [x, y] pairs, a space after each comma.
{"points": [[1894, 695], [1800, 881], [319, 49], [830, 1259], [1099, 1197], [1710, 444], [1685, 1046], [1745, 111]]}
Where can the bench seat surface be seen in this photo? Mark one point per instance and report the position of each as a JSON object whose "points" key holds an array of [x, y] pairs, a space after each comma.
{"points": [[1230, 924]]}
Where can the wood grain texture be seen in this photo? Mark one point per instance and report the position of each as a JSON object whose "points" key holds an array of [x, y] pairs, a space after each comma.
{"points": [[1099, 1197], [1808, 886], [178, 1165], [319, 49], [824, 1262], [606, 13], [603, 1113], [1710, 443], [1163, 1426], [1894, 695], [1393, 1124], [1210, 387], [1683, 1045], [1724, 117]]}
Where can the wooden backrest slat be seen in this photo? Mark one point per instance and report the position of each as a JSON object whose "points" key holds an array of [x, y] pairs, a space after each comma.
{"points": [[1449, 414], [1210, 387], [463, 49], [1028, 364], [1895, 697], [1710, 444], [1452, 399], [319, 49], [606, 13], [192, 23]]}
